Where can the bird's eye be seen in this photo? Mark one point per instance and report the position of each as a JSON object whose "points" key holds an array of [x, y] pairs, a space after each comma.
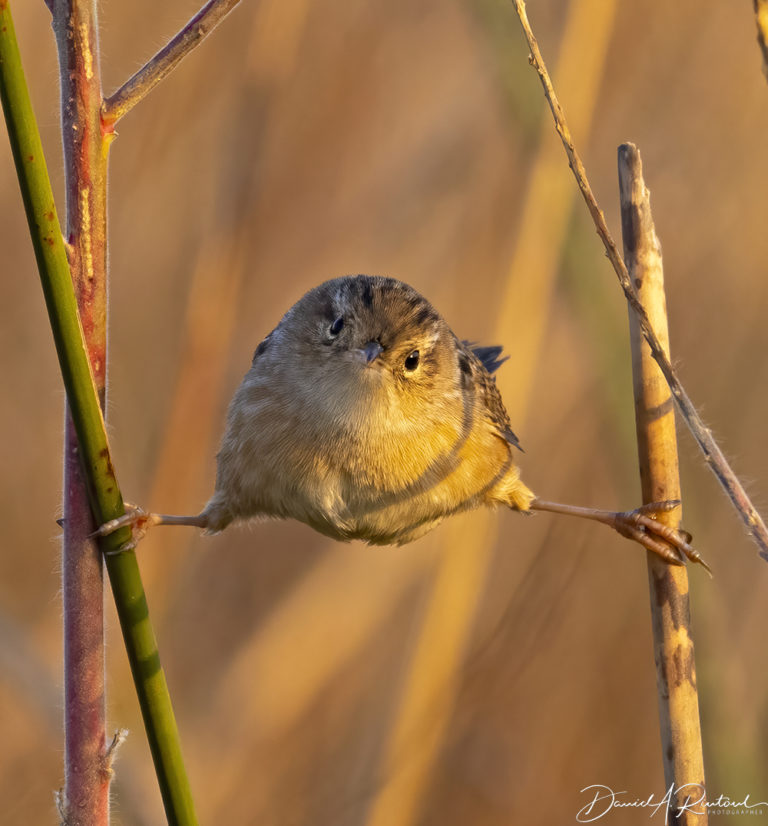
{"points": [[412, 361], [335, 328]]}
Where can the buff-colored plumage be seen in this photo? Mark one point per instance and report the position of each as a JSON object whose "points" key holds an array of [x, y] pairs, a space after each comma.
{"points": [[365, 417]]}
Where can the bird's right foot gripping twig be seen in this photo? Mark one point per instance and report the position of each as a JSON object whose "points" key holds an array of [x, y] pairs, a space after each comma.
{"points": [[670, 544]]}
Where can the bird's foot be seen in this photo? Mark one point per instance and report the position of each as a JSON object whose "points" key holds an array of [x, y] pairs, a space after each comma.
{"points": [[135, 518], [670, 544]]}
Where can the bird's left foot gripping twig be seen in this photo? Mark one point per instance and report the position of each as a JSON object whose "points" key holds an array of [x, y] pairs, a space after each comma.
{"points": [[140, 521], [134, 517], [639, 524]]}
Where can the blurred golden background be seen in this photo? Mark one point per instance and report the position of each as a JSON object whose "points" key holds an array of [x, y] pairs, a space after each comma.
{"points": [[488, 673]]}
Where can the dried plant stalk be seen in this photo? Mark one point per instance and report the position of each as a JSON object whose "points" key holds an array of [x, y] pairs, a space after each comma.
{"points": [[657, 451], [713, 455]]}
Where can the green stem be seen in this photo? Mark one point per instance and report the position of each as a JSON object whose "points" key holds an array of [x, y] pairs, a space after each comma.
{"points": [[103, 491]]}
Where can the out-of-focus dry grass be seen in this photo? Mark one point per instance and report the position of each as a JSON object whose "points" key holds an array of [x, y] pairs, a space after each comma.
{"points": [[487, 673]]}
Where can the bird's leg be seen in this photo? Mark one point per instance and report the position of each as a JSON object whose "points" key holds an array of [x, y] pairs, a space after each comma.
{"points": [[639, 524], [140, 522]]}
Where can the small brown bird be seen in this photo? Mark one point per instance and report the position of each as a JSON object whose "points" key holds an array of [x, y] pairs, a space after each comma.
{"points": [[365, 417]]}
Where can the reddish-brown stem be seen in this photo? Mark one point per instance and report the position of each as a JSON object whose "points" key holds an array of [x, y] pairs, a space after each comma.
{"points": [[86, 793], [86, 786]]}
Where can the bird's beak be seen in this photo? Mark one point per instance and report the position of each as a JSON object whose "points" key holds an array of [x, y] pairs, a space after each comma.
{"points": [[371, 351]]}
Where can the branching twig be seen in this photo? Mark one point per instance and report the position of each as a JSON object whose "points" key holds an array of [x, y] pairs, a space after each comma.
{"points": [[142, 83], [657, 451], [88, 454], [703, 436]]}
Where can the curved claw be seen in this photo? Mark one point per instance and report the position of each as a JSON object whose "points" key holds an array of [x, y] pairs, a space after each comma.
{"points": [[649, 542], [640, 526]]}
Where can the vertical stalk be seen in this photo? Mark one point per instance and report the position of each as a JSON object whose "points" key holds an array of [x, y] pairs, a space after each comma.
{"points": [[88, 457], [85, 163], [86, 777], [712, 453], [657, 449]]}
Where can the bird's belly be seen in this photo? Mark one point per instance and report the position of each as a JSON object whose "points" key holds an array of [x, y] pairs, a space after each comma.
{"points": [[350, 504], [382, 489]]}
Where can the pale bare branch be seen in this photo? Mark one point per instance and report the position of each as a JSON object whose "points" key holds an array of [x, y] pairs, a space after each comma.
{"points": [[673, 648], [703, 436]]}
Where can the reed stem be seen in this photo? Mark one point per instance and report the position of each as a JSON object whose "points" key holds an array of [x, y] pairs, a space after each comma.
{"points": [[657, 453]]}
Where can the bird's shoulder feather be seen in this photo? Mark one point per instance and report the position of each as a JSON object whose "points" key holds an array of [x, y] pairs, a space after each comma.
{"points": [[476, 364]]}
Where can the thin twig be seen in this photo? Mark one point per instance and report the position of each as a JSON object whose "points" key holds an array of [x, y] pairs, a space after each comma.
{"points": [[657, 451], [159, 66], [703, 436], [761, 18]]}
